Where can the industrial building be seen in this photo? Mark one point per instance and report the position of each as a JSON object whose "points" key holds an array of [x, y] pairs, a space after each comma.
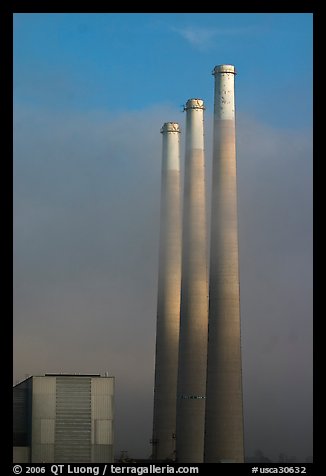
{"points": [[208, 399], [64, 418]]}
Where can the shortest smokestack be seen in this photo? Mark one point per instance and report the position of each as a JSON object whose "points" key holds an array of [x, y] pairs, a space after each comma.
{"points": [[168, 305]]}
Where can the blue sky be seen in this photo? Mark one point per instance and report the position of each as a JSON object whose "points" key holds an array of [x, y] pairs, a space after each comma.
{"points": [[91, 92], [123, 62]]}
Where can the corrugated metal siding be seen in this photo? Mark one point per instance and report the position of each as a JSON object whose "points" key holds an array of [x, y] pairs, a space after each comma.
{"points": [[102, 407], [102, 417], [42, 453], [43, 419], [44, 405], [20, 454], [73, 420], [102, 386], [47, 431], [20, 416], [44, 397], [102, 454], [43, 386], [103, 432], [22, 411]]}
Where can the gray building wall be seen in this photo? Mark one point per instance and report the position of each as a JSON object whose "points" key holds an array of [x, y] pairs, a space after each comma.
{"points": [[22, 411], [64, 419], [21, 454], [73, 420], [102, 411], [43, 419]]}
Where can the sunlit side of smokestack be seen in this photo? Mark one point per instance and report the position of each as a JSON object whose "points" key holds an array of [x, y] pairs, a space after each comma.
{"points": [[194, 300], [224, 413], [168, 306]]}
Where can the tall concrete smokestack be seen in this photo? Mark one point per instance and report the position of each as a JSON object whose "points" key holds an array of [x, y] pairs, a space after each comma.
{"points": [[224, 415], [194, 300], [168, 307]]}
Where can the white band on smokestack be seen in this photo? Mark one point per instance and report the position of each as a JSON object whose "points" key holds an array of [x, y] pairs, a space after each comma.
{"points": [[171, 148], [195, 136], [224, 91]]}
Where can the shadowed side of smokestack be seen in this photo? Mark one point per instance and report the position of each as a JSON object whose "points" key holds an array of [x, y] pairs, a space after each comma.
{"points": [[194, 300], [168, 306], [224, 414]]}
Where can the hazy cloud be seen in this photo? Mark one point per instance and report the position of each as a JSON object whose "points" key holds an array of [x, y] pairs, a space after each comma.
{"points": [[204, 38], [86, 232]]}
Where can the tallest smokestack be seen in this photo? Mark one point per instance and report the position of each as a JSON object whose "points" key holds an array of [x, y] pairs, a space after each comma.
{"points": [[224, 416]]}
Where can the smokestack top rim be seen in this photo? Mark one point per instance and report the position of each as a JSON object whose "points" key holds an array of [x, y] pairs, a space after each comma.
{"points": [[224, 68], [194, 103], [170, 127]]}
